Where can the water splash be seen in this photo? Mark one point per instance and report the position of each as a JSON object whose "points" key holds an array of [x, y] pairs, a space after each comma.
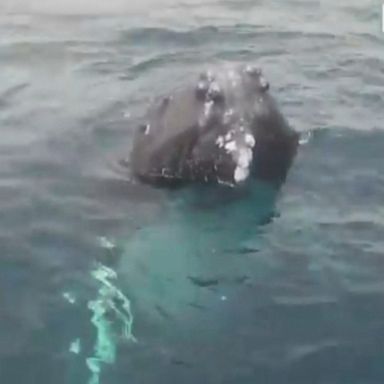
{"points": [[75, 347], [112, 318], [305, 137]]}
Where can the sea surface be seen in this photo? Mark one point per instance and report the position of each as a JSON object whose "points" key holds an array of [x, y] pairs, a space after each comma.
{"points": [[106, 281]]}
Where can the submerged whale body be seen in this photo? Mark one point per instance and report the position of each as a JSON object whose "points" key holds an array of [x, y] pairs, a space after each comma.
{"points": [[222, 128]]}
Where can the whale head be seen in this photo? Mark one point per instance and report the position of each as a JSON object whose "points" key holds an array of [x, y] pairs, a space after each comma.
{"points": [[222, 128]]}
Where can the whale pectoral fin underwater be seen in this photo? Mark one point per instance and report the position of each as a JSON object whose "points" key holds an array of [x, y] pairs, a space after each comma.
{"points": [[221, 129]]}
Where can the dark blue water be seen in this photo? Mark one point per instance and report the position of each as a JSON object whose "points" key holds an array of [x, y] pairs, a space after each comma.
{"points": [[270, 288]]}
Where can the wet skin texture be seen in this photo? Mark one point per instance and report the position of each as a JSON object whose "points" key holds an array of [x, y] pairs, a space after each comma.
{"points": [[221, 128]]}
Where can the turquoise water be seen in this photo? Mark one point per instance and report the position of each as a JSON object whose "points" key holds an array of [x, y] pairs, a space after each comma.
{"points": [[106, 281]]}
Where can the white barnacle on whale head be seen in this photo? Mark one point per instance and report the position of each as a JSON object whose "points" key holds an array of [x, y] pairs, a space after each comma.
{"points": [[214, 87], [230, 146], [243, 160], [208, 105], [207, 108], [220, 141], [233, 77], [240, 174], [227, 116], [250, 140]]}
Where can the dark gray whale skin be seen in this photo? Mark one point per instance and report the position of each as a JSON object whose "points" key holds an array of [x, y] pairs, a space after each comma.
{"points": [[222, 128]]}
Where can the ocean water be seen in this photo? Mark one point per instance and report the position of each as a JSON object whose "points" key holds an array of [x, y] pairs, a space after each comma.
{"points": [[105, 281]]}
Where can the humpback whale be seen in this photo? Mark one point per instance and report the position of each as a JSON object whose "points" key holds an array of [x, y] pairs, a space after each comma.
{"points": [[221, 128]]}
